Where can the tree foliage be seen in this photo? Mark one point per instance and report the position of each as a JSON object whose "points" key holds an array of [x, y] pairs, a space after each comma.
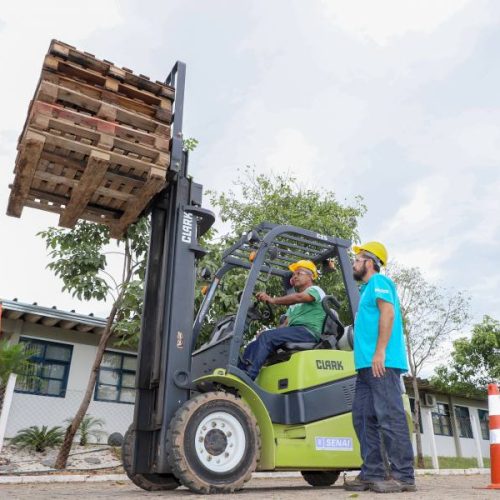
{"points": [[280, 199], [14, 359], [475, 361], [80, 258], [277, 199]]}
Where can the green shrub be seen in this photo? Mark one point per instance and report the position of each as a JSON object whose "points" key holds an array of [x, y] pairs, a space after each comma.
{"points": [[89, 426], [38, 439]]}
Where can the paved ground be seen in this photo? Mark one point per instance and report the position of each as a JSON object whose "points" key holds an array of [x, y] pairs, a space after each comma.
{"points": [[429, 487]]}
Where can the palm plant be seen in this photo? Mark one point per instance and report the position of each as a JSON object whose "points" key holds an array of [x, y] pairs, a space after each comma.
{"points": [[38, 439], [14, 358], [89, 426]]}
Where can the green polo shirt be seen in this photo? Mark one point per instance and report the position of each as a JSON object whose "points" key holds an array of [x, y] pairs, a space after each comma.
{"points": [[309, 314]]}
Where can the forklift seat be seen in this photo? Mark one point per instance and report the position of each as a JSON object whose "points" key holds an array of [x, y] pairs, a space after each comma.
{"points": [[332, 330]]}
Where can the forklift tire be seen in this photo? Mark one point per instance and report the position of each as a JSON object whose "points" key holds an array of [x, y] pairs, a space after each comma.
{"points": [[148, 482], [321, 478], [214, 443]]}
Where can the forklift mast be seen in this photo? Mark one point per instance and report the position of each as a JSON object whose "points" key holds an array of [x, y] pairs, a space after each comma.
{"points": [[177, 223]]}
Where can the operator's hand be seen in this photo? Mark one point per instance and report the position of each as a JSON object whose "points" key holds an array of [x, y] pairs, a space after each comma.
{"points": [[378, 364], [263, 297]]}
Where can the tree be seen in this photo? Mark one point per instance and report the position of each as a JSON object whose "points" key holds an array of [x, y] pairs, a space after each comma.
{"points": [[79, 258], [278, 199], [475, 361], [431, 315]]}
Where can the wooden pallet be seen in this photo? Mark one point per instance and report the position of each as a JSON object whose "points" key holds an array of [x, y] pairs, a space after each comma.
{"points": [[88, 186], [54, 89], [88, 61], [95, 144]]}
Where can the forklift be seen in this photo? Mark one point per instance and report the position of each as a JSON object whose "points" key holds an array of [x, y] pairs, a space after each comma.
{"points": [[200, 421]]}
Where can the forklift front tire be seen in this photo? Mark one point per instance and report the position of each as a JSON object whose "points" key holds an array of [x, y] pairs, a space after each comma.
{"points": [[213, 443], [148, 482], [321, 478]]}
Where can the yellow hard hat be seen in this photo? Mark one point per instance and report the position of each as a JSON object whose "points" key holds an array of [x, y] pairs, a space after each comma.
{"points": [[306, 264], [375, 248]]}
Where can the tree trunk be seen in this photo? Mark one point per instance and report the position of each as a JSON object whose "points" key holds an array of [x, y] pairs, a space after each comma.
{"points": [[416, 423], [72, 429], [3, 388], [416, 417]]}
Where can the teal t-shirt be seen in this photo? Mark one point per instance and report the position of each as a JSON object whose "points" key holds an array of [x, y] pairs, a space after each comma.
{"points": [[366, 325], [309, 314]]}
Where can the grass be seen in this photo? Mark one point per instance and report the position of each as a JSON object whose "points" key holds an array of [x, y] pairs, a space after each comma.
{"points": [[455, 462]]}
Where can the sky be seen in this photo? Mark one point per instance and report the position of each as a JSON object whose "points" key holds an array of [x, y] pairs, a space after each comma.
{"points": [[395, 101]]}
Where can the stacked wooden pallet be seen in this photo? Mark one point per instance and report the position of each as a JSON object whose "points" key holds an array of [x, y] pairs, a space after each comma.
{"points": [[95, 145]]}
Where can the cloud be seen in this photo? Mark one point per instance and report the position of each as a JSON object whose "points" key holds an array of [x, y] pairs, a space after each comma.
{"points": [[292, 151], [386, 20]]}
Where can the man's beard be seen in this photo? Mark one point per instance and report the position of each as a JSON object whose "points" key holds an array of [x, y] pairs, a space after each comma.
{"points": [[359, 275]]}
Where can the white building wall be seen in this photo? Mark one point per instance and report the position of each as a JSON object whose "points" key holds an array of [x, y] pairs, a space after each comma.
{"points": [[446, 444], [31, 409]]}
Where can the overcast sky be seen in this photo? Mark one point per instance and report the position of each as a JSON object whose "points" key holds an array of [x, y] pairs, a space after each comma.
{"points": [[396, 101]]}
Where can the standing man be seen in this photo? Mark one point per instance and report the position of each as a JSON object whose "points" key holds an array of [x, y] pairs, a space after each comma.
{"points": [[380, 359], [304, 318]]}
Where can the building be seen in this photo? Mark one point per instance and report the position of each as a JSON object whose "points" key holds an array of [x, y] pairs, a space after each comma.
{"points": [[451, 426], [66, 343]]}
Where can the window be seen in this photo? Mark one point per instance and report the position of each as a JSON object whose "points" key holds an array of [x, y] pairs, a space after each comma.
{"points": [[412, 407], [441, 420], [463, 421], [116, 379], [484, 421], [50, 374]]}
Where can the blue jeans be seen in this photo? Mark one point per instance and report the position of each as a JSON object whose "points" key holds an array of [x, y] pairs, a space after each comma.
{"points": [[378, 413], [267, 342]]}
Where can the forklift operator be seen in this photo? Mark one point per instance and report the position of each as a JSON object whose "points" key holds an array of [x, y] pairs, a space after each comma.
{"points": [[304, 318]]}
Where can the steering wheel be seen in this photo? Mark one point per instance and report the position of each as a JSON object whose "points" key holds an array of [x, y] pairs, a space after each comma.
{"points": [[260, 311]]}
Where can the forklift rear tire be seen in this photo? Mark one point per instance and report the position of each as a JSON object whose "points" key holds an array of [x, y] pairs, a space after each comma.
{"points": [[148, 482], [321, 478], [214, 443]]}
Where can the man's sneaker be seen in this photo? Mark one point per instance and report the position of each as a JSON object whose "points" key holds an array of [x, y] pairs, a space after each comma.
{"points": [[406, 486], [357, 484], [386, 486]]}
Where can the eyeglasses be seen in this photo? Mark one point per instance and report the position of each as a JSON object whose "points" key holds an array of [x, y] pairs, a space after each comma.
{"points": [[357, 259], [296, 273]]}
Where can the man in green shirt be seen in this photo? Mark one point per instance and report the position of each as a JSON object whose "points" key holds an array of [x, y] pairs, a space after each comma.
{"points": [[304, 318]]}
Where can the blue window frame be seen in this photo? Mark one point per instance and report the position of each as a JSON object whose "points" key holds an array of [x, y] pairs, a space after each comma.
{"points": [[441, 420], [463, 419], [484, 422], [116, 378], [52, 361]]}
